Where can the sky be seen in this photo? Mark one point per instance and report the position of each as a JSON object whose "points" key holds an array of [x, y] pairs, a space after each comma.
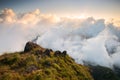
{"points": [[78, 8]]}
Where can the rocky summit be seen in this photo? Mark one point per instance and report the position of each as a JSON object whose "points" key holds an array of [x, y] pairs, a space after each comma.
{"points": [[37, 63]]}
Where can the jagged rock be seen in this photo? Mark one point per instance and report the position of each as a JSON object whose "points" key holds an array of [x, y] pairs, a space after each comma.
{"points": [[57, 53], [51, 50], [30, 46], [47, 52], [64, 53]]}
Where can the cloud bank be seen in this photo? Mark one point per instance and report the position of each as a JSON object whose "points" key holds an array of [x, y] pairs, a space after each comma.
{"points": [[85, 40]]}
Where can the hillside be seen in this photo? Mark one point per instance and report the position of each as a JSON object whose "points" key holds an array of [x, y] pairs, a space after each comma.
{"points": [[103, 73], [37, 63]]}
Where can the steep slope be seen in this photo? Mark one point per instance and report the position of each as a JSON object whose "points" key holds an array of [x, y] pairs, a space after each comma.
{"points": [[103, 73], [37, 63]]}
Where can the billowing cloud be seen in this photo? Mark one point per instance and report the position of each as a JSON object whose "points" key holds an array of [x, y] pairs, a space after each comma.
{"points": [[30, 18], [33, 17], [86, 40], [7, 15]]}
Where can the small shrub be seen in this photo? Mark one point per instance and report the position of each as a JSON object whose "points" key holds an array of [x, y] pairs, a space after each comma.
{"points": [[11, 60]]}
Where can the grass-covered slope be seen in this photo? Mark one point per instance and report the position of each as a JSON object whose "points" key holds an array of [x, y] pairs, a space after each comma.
{"points": [[37, 63]]}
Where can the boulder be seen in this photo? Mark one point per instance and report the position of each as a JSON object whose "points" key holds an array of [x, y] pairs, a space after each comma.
{"points": [[30, 46], [64, 53], [57, 53], [51, 50], [47, 52]]}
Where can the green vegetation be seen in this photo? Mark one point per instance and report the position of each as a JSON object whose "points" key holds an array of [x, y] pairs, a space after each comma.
{"points": [[103, 73], [37, 63]]}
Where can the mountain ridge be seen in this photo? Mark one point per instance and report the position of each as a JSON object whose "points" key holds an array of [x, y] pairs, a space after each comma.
{"points": [[37, 63]]}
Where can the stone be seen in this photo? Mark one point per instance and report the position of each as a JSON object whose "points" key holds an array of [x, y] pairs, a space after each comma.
{"points": [[57, 53], [47, 52], [64, 53], [30, 46]]}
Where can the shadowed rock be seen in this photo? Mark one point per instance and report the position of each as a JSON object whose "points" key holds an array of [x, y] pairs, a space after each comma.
{"points": [[30, 46], [51, 50], [57, 53], [47, 52], [64, 53]]}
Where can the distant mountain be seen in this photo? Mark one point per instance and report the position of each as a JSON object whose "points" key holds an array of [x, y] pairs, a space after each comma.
{"points": [[37, 63], [104, 73]]}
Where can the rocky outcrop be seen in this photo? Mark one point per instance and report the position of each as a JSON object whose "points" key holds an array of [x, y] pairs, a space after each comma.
{"points": [[39, 51], [59, 53], [30, 46]]}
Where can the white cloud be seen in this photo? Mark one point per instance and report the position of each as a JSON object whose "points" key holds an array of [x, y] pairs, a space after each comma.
{"points": [[87, 40], [7, 15], [30, 18]]}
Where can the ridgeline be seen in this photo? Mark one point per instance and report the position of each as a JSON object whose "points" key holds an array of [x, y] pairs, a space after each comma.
{"points": [[37, 63]]}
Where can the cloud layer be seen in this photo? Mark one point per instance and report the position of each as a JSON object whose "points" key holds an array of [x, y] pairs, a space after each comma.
{"points": [[86, 40]]}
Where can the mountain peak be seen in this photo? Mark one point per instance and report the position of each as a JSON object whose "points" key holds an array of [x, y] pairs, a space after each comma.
{"points": [[30, 46], [37, 63]]}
